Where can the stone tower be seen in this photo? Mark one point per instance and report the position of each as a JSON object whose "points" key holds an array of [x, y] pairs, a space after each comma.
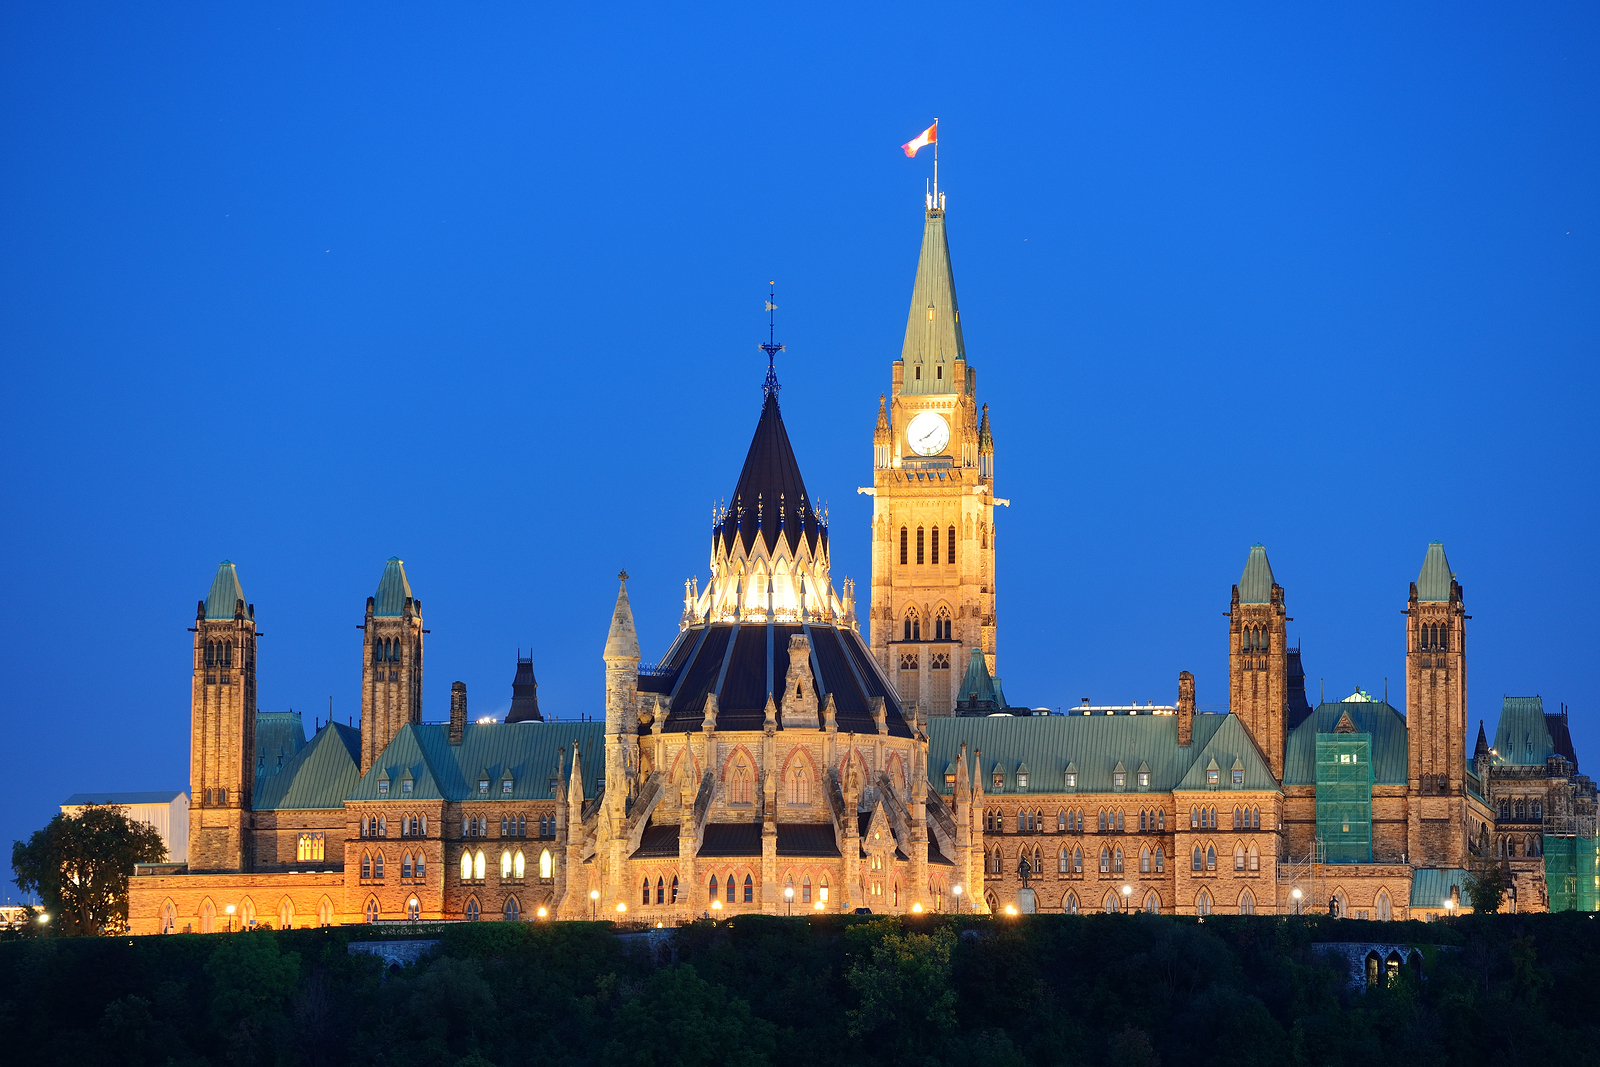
{"points": [[933, 538], [1436, 714], [222, 722], [391, 662], [1258, 658]]}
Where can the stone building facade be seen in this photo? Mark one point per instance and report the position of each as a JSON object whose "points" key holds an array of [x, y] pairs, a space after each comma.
{"points": [[775, 760]]}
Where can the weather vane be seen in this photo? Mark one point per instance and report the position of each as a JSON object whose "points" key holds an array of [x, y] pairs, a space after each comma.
{"points": [[771, 348]]}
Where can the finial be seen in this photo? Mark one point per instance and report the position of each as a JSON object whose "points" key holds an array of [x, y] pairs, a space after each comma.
{"points": [[771, 348], [622, 576]]}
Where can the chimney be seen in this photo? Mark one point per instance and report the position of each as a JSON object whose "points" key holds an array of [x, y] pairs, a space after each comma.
{"points": [[1185, 708], [458, 711]]}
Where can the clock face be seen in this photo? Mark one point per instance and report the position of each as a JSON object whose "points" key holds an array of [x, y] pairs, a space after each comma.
{"points": [[928, 433]]}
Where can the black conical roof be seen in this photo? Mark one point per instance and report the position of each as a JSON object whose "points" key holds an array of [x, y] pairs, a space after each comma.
{"points": [[770, 493], [524, 694]]}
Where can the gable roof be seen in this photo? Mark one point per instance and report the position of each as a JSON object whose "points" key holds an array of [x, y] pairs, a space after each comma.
{"points": [[442, 771], [318, 777], [223, 599], [1522, 736], [1255, 584], [1093, 744], [1433, 582], [1230, 747], [393, 590], [1386, 726]]}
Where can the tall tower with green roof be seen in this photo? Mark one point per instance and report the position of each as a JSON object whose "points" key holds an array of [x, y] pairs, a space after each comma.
{"points": [[1258, 691], [1436, 713], [933, 536], [222, 714], [391, 662]]}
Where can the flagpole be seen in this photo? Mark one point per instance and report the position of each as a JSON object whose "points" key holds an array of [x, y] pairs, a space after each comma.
{"points": [[936, 161]]}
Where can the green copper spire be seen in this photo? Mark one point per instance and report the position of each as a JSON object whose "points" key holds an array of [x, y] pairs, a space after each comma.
{"points": [[1255, 584], [225, 592], [933, 327], [393, 590], [1433, 583]]}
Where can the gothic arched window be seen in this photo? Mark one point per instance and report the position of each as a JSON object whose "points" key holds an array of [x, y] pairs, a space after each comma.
{"points": [[749, 890], [903, 537], [933, 543], [1144, 859], [950, 546], [919, 545]]}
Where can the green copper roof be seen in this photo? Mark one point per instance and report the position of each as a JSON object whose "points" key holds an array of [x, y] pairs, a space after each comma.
{"points": [[1230, 746], [1094, 745], [225, 593], [1433, 584], [1430, 887], [442, 771], [1522, 737], [1385, 725], [976, 686], [318, 777], [393, 590], [933, 340], [279, 735], [1255, 584]]}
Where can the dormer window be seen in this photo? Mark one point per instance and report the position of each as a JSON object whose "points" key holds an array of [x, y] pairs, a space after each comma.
{"points": [[505, 785], [1022, 779], [483, 785], [1238, 777], [999, 782], [1212, 777], [383, 785], [405, 785], [1144, 780], [1119, 781], [1072, 779]]}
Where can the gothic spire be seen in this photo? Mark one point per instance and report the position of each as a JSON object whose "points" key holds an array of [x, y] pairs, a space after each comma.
{"points": [[622, 642], [933, 327]]}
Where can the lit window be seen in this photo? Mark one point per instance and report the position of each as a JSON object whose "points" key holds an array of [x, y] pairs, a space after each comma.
{"points": [[1119, 781], [311, 846], [1022, 781], [466, 866], [518, 865], [544, 864], [478, 866], [1144, 779], [1072, 779], [505, 865]]}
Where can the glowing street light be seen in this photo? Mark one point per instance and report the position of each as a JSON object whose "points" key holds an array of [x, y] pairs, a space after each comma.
{"points": [[229, 910], [817, 906], [594, 902], [1296, 895], [957, 891], [543, 913], [916, 908], [788, 897], [621, 908], [716, 905], [44, 917], [1011, 909], [1127, 900]]}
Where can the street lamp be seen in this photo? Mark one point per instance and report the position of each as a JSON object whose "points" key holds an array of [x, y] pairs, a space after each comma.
{"points": [[1011, 909], [229, 910], [957, 891], [44, 917], [788, 897], [1296, 895], [817, 906], [1127, 900], [916, 909], [594, 902], [543, 913], [716, 905], [621, 908]]}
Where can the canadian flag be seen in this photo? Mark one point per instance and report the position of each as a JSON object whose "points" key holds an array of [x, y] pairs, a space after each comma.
{"points": [[921, 140]]}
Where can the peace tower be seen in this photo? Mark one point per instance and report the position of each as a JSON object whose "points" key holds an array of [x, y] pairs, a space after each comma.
{"points": [[933, 532]]}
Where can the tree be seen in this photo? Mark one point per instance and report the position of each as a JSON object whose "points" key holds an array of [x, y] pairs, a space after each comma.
{"points": [[903, 981], [80, 864], [1486, 887]]}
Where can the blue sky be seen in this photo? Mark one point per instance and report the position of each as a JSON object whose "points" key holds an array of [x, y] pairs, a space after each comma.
{"points": [[482, 288]]}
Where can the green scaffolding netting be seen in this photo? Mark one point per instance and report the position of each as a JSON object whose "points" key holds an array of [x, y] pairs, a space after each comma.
{"points": [[1344, 796], [1572, 873]]}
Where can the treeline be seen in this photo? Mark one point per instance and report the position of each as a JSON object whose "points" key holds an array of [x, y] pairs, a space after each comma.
{"points": [[1126, 991]]}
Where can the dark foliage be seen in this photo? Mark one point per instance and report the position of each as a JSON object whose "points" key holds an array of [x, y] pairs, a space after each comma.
{"points": [[79, 864], [1123, 991]]}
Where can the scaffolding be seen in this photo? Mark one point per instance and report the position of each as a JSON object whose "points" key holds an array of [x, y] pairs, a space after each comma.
{"points": [[1572, 863], [1305, 875], [1344, 796]]}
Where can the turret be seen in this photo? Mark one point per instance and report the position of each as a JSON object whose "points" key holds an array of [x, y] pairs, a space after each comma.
{"points": [[391, 662], [1258, 658], [222, 706]]}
